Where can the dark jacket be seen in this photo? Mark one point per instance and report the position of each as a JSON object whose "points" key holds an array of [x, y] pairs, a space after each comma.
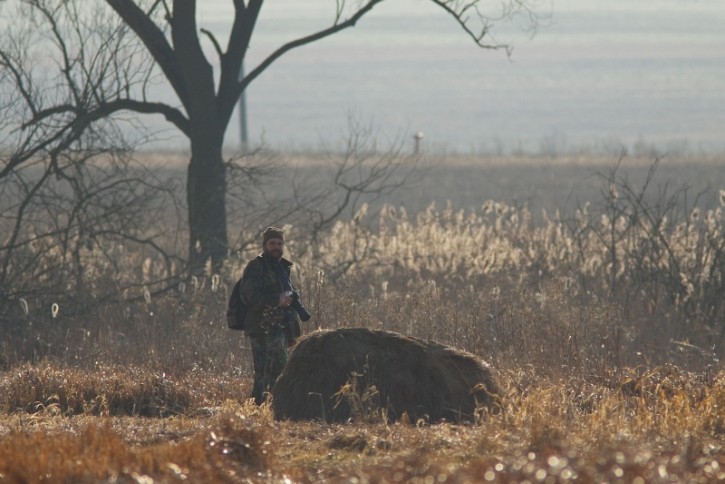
{"points": [[260, 290]]}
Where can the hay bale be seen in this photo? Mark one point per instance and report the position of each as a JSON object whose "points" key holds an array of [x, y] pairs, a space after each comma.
{"points": [[336, 375]]}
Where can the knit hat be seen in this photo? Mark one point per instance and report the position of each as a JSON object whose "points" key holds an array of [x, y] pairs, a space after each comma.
{"points": [[272, 233]]}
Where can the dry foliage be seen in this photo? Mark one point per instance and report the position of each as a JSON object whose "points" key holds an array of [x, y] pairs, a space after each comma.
{"points": [[633, 425], [605, 331]]}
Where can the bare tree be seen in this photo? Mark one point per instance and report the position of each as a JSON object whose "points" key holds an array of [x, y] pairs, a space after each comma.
{"points": [[63, 233], [361, 175], [311, 194], [168, 32], [70, 191]]}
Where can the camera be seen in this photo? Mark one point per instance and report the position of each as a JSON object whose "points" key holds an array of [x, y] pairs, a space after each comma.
{"points": [[302, 311]]}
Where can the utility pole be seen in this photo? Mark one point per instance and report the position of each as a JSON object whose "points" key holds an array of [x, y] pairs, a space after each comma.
{"points": [[243, 134], [417, 137]]}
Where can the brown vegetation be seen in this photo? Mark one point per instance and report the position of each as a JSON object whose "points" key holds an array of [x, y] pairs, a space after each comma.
{"points": [[604, 332], [640, 425]]}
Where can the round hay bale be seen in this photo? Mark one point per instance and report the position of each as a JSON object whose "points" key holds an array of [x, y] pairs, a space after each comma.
{"points": [[350, 373]]}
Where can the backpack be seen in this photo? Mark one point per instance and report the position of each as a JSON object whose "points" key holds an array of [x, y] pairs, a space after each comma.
{"points": [[236, 309]]}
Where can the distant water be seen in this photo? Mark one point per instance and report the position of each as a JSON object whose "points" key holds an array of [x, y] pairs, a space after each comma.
{"points": [[597, 74]]}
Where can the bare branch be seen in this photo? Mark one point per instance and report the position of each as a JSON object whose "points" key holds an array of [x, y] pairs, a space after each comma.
{"points": [[461, 19], [245, 18], [350, 22], [213, 40], [362, 174], [155, 41]]}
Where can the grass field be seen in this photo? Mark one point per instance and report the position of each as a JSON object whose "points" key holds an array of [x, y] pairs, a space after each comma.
{"points": [[605, 327], [658, 425]]}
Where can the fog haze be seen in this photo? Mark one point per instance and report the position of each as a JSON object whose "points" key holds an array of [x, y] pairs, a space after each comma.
{"points": [[597, 73]]}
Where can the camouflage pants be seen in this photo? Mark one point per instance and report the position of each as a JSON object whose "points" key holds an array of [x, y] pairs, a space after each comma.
{"points": [[269, 352]]}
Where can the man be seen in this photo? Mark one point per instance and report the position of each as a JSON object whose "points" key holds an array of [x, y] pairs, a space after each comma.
{"points": [[272, 322]]}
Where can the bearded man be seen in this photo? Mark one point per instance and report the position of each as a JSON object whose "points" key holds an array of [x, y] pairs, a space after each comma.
{"points": [[273, 311]]}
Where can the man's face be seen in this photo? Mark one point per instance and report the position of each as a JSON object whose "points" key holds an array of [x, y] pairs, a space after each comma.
{"points": [[274, 247]]}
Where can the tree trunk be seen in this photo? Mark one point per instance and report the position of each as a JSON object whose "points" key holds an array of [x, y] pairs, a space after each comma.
{"points": [[206, 194]]}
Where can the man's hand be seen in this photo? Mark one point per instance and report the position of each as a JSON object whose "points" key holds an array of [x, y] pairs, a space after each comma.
{"points": [[284, 300]]}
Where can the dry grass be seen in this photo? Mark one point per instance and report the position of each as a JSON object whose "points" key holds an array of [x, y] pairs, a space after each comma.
{"points": [[110, 391], [632, 426], [606, 331]]}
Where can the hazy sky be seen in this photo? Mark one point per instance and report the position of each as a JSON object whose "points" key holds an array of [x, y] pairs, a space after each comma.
{"points": [[597, 72]]}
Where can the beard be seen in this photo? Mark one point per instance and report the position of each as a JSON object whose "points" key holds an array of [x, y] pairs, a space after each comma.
{"points": [[276, 253]]}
